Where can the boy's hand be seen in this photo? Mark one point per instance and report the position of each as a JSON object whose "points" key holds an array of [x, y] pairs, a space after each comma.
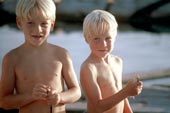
{"points": [[44, 92], [53, 97], [40, 92], [134, 87]]}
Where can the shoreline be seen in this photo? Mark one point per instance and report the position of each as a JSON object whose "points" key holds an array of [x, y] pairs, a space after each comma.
{"points": [[148, 75]]}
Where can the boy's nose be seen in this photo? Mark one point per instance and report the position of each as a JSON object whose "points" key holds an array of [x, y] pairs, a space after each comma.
{"points": [[103, 43], [38, 28]]}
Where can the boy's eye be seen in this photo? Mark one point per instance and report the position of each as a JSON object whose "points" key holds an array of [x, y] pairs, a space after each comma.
{"points": [[108, 38], [44, 24], [29, 23], [96, 39]]}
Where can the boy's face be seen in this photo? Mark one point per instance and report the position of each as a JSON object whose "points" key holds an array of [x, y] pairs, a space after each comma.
{"points": [[36, 29], [101, 45]]}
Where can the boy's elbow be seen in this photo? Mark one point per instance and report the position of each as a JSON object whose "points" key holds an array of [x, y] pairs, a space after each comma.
{"points": [[3, 105], [78, 93]]}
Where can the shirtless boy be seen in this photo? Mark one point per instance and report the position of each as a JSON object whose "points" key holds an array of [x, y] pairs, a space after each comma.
{"points": [[33, 74], [101, 72]]}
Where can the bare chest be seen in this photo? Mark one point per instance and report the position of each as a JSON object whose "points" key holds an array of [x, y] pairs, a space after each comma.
{"points": [[32, 71], [109, 79]]}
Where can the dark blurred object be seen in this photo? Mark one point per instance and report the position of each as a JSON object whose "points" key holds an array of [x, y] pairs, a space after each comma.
{"points": [[144, 20], [109, 4], [1, 1], [8, 111], [6, 17], [57, 1]]}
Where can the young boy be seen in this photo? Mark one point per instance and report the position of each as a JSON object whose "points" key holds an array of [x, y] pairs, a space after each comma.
{"points": [[37, 70], [101, 72]]}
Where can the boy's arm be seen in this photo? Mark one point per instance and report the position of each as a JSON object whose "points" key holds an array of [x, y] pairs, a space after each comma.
{"points": [[9, 100], [91, 88], [127, 108], [73, 93], [93, 93]]}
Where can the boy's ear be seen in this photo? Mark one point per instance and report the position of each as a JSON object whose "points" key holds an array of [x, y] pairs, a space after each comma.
{"points": [[52, 25], [18, 21]]}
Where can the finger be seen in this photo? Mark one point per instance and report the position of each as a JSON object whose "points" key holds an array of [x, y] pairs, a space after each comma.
{"points": [[40, 85], [41, 88], [40, 91], [140, 83], [138, 78]]}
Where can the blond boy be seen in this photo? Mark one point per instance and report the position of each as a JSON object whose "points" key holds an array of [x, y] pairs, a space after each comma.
{"points": [[37, 70], [101, 72]]}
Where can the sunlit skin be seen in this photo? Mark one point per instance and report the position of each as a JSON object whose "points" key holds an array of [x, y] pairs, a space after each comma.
{"points": [[101, 45], [101, 77], [36, 30], [38, 70]]}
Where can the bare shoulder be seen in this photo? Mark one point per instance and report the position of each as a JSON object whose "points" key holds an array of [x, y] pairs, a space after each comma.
{"points": [[61, 54], [12, 55], [88, 68], [87, 64], [59, 51], [117, 59], [57, 48]]}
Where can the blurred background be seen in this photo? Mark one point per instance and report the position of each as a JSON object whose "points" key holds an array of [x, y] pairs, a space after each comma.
{"points": [[143, 42]]}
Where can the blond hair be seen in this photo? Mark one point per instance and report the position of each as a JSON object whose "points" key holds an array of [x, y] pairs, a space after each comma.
{"points": [[97, 22], [26, 8]]}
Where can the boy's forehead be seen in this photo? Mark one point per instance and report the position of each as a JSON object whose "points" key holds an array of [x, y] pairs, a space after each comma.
{"points": [[100, 29], [36, 14], [102, 33]]}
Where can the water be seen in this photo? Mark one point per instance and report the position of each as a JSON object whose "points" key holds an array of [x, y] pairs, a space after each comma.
{"points": [[140, 51], [163, 82]]}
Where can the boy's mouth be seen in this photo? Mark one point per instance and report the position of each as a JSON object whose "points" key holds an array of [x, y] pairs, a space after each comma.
{"points": [[37, 37], [104, 50]]}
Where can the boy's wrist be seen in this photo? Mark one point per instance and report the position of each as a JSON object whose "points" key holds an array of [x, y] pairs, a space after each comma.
{"points": [[57, 99], [125, 92]]}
